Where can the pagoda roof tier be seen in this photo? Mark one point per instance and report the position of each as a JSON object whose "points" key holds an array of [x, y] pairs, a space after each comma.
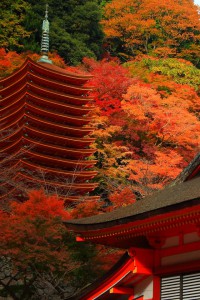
{"points": [[62, 74], [30, 88], [16, 141], [46, 114], [53, 72], [178, 202], [51, 161], [57, 85], [39, 169], [29, 78], [67, 187], [74, 110], [57, 116], [78, 199], [29, 97], [46, 140], [11, 141], [11, 126], [58, 95], [61, 173], [60, 151], [59, 161], [11, 105], [71, 187], [38, 122], [15, 133], [10, 137], [19, 117], [57, 138], [8, 100], [12, 116]]}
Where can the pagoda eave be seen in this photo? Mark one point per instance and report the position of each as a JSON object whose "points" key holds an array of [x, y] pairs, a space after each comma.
{"points": [[79, 199], [61, 173], [67, 185], [46, 113], [35, 69], [64, 140], [48, 103], [66, 130], [58, 95], [57, 161], [57, 150]]}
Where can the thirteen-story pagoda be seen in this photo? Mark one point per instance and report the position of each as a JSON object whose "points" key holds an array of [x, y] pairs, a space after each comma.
{"points": [[44, 127]]}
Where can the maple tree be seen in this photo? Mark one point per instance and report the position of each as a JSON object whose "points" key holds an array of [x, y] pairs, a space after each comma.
{"points": [[141, 144], [37, 252], [110, 80], [161, 27]]}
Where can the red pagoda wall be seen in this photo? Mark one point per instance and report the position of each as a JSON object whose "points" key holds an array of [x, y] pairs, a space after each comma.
{"points": [[43, 132]]}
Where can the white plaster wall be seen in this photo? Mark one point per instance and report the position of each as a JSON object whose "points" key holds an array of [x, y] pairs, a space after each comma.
{"points": [[191, 237], [171, 242], [144, 288], [180, 258]]}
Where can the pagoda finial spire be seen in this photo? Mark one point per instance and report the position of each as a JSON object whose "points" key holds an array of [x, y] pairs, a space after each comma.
{"points": [[46, 12], [45, 39]]}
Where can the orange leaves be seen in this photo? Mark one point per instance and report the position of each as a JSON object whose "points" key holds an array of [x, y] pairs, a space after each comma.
{"points": [[10, 61], [144, 26], [146, 142], [123, 196], [33, 232], [152, 174], [39, 205], [86, 209], [140, 102], [158, 116]]}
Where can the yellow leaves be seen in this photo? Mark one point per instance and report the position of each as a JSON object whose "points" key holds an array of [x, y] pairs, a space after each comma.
{"points": [[11, 20], [106, 132]]}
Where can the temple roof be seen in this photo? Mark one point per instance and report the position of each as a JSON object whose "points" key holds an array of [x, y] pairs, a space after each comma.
{"points": [[170, 198], [83, 293], [142, 225], [182, 192]]}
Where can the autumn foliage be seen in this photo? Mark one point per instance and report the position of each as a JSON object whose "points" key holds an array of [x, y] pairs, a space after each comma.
{"points": [[149, 129], [37, 251], [10, 61], [164, 28]]}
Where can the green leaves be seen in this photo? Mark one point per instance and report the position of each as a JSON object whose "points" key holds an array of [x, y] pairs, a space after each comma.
{"points": [[75, 31], [12, 14]]}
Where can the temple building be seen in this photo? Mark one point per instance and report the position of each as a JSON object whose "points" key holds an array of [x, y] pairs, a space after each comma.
{"points": [[161, 236], [44, 127]]}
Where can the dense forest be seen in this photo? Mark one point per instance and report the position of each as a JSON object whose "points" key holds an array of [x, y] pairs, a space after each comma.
{"points": [[144, 58]]}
